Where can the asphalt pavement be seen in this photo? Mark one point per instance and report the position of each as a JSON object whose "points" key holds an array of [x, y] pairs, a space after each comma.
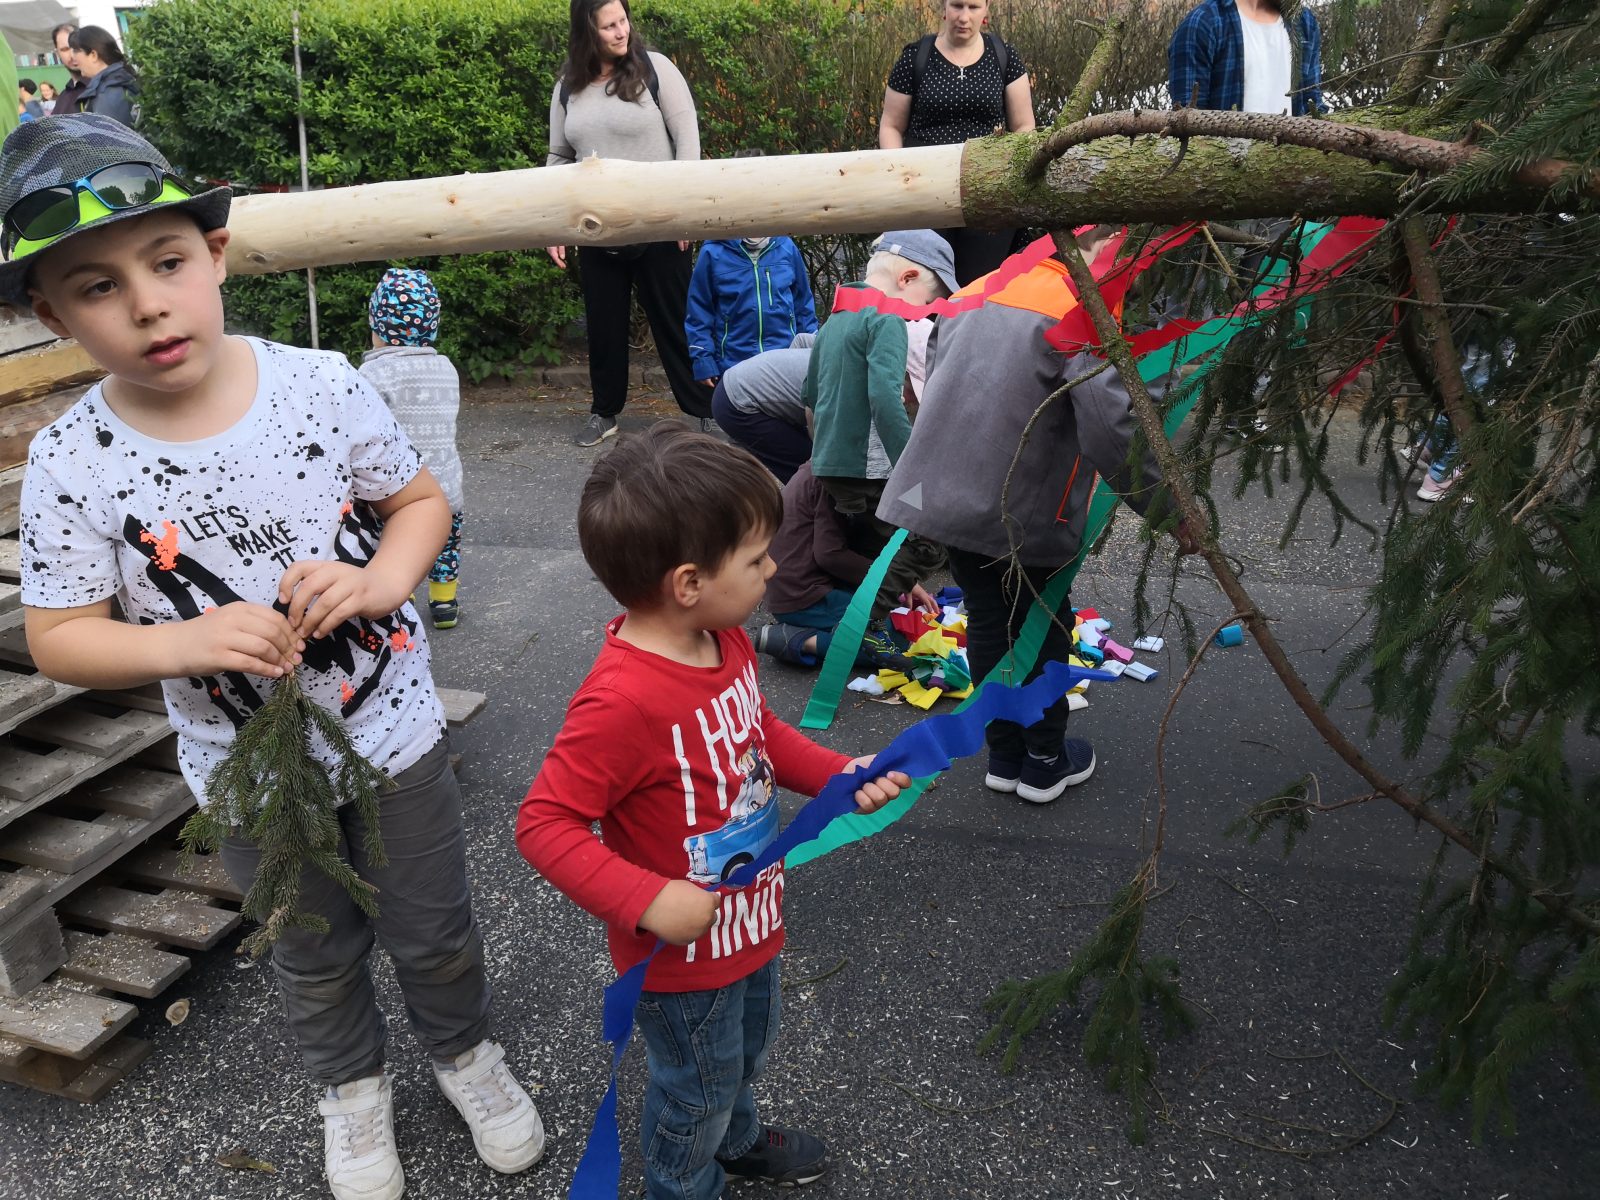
{"points": [[895, 943]]}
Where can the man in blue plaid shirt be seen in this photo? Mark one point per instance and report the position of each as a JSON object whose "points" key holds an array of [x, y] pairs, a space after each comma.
{"points": [[1243, 54]]}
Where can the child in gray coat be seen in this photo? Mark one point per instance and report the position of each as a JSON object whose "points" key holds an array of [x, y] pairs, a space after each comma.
{"points": [[423, 391]]}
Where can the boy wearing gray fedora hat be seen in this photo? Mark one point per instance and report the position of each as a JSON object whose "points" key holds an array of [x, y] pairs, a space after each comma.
{"points": [[255, 510]]}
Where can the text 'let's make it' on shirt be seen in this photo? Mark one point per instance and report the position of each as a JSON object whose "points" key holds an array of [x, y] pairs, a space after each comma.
{"points": [[172, 529], [681, 767]]}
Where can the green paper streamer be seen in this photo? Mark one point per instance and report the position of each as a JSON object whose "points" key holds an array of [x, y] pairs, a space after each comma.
{"points": [[841, 656]]}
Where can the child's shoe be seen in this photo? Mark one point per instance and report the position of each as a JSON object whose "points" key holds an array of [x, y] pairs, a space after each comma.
{"points": [[880, 651], [358, 1140], [1004, 773], [785, 643], [1432, 490], [786, 1157], [443, 610], [505, 1125], [1044, 779]]}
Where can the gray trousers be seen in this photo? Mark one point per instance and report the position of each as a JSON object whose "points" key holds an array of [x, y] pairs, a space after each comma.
{"points": [[424, 921]]}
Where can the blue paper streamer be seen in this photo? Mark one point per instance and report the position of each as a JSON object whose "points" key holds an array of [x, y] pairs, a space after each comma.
{"points": [[926, 748]]}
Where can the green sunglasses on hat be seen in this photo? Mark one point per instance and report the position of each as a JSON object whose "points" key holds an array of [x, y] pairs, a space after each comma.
{"points": [[65, 174]]}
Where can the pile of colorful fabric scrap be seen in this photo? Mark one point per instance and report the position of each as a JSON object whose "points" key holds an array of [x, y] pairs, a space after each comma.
{"points": [[935, 647]]}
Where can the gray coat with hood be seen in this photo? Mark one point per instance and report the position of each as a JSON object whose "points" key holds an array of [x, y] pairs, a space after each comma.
{"points": [[989, 370]]}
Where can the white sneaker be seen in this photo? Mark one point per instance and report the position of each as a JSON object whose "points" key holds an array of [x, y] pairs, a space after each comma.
{"points": [[358, 1140], [505, 1125]]}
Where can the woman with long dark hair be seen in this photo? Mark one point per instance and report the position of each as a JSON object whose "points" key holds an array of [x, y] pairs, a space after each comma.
{"points": [[617, 99], [959, 83], [113, 88]]}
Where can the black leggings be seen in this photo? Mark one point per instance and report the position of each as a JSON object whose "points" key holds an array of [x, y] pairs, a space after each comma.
{"points": [[996, 608], [660, 271]]}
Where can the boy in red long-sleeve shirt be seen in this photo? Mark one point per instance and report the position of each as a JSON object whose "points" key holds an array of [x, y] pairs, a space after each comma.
{"points": [[671, 747]]}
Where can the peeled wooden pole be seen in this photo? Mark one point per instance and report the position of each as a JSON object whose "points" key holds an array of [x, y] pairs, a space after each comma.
{"points": [[984, 183], [599, 203]]}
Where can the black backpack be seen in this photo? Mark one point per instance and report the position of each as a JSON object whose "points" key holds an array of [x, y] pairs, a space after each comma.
{"points": [[564, 93], [925, 51]]}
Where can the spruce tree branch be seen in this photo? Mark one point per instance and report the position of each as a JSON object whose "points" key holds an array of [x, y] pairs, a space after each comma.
{"points": [[1500, 52], [1121, 356], [1446, 358], [1427, 155], [1567, 447], [1530, 18], [1095, 70], [1413, 77]]}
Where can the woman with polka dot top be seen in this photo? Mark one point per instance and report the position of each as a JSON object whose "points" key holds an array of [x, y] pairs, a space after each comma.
{"points": [[964, 92]]}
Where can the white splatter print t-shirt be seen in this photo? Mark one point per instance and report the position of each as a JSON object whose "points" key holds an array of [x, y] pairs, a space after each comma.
{"points": [[174, 528]]}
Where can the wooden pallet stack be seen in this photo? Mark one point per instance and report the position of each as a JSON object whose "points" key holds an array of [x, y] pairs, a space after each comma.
{"points": [[96, 909]]}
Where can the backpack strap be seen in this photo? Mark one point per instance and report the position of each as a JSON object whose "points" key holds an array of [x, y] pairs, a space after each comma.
{"points": [[564, 93], [919, 64]]}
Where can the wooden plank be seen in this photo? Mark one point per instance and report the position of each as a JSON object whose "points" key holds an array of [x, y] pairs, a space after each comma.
{"points": [[87, 766], [20, 695], [172, 918], [10, 560], [18, 890], [164, 867], [36, 890], [21, 420], [86, 1082], [64, 1021], [133, 792], [22, 331], [29, 952], [54, 694], [10, 498], [77, 727], [459, 706], [38, 372], [25, 773], [63, 844], [120, 963]]}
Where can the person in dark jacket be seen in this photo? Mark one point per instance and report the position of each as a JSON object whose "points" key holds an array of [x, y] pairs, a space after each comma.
{"points": [[67, 98], [746, 295], [113, 88]]}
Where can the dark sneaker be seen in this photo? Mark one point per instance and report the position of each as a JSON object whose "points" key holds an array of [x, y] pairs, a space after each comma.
{"points": [[1003, 774], [880, 650], [1044, 779], [786, 1157], [444, 613], [784, 643], [595, 430]]}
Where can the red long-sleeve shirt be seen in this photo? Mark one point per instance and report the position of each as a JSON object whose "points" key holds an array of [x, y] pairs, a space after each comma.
{"points": [[680, 765]]}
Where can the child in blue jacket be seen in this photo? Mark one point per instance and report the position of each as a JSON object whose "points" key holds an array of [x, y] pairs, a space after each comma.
{"points": [[747, 295]]}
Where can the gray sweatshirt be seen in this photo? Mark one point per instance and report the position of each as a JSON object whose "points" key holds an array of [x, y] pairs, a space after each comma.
{"points": [[422, 390], [989, 368], [596, 123]]}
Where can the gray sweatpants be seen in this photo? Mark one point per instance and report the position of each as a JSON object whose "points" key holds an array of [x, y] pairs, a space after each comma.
{"points": [[424, 921]]}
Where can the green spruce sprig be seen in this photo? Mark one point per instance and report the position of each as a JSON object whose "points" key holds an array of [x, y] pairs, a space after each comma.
{"points": [[271, 790]]}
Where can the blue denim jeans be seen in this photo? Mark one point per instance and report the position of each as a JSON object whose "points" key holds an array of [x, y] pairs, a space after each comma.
{"points": [[704, 1049]]}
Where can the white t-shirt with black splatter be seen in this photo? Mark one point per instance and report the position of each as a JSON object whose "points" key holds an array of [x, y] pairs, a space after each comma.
{"points": [[174, 528]]}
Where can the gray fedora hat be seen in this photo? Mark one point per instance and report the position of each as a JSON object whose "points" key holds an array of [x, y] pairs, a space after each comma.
{"points": [[59, 151]]}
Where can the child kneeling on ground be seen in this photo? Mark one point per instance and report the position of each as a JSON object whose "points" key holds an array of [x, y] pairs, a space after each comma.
{"points": [[255, 510], [671, 747], [423, 391]]}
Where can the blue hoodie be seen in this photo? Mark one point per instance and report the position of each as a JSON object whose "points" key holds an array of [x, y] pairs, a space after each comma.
{"points": [[742, 303]]}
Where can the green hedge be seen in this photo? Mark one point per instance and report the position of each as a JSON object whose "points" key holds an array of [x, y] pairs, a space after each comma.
{"points": [[400, 90]]}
